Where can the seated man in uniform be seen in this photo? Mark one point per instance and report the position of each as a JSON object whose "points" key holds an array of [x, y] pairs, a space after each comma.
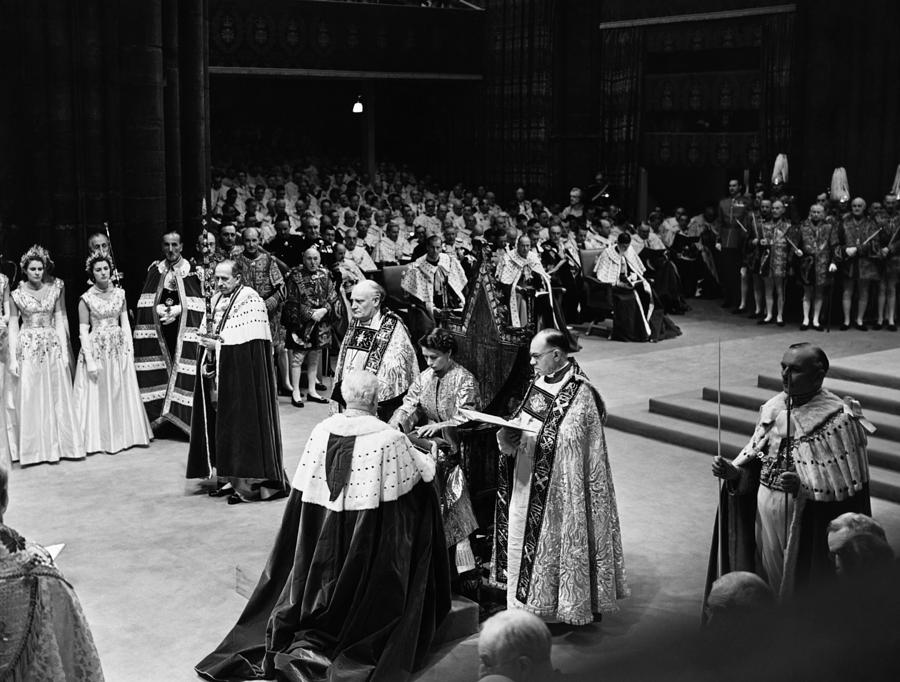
{"points": [[358, 579]]}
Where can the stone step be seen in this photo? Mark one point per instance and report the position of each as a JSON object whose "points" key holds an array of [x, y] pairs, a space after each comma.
{"points": [[870, 397], [885, 483], [886, 377], [882, 452], [752, 399], [462, 621]]}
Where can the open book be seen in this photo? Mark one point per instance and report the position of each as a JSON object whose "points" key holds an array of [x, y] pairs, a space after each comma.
{"points": [[485, 418]]}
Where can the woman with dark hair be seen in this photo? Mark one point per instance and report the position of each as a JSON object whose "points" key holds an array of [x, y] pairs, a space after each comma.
{"points": [[107, 398], [46, 428], [430, 414]]}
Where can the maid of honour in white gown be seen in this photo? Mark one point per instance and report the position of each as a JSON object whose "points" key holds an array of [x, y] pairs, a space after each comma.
{"points": [[111, 415], [45, 427]]}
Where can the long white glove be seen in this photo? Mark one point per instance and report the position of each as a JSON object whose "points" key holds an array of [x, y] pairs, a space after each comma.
{"points": [[90, 364], [59, 321]]}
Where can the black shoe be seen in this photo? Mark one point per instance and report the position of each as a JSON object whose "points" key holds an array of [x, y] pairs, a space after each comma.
{"points": [[804, 327], [285, 392], [235, 499], [763, 321], [754, 316], [221, 492], [296, 403], [861, 327], [316, 399], [321, 387], [739, 311], [818, 328], [844, 327], [780, 323], [877, 326], [891, 327]]}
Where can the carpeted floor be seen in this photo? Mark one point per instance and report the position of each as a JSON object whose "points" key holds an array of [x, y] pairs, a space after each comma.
{"points": [[154, 563]]}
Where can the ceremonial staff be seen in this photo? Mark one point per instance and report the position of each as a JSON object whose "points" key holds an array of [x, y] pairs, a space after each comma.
{"points": [[722, 555], [787, 451], [115, 270]]}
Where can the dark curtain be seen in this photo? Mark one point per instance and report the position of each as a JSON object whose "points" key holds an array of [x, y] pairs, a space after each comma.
{"points": [[848, 95], [621, 78], [99, 92], [777, 51], [518, 93]]}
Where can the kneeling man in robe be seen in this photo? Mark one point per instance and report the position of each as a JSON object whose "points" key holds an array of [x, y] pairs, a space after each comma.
{"points": [[358, 579]]}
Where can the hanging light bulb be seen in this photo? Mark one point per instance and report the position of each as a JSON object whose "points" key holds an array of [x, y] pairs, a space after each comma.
{"points": [[358, 105]]}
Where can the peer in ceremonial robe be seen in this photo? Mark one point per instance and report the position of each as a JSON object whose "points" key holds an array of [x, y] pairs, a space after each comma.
{"points": [[236, 431], [636, 312], [357, 252], [357, 581], [45, 425], [557, 541], [106, 393], [390, 248], [167, 318], [805, 465], [564, 269], [436, 282], [521, 270]]}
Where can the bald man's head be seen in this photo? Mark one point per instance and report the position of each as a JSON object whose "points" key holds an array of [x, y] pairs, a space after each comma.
{"points": [[803, 369]]}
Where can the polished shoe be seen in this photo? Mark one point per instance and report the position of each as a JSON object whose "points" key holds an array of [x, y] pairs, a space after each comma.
{"points": [[861, 327], [891, 327], [763, 321], [296, 403], [221, 492], [321, 387], [235, 499], [804, 327], [817, 328], [780, 323], [877, 326], [844, 327], [316, 399]]}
